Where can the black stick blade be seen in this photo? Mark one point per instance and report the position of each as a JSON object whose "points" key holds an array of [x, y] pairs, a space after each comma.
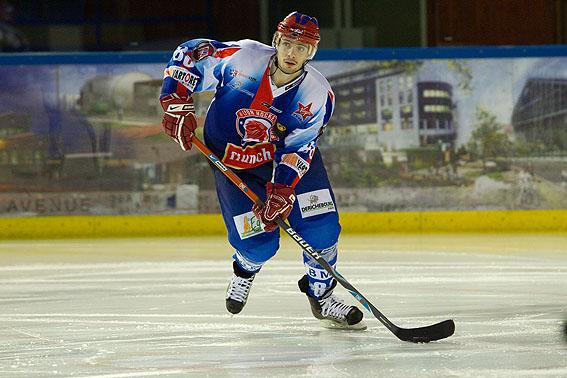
{"points": [[426, 334]]}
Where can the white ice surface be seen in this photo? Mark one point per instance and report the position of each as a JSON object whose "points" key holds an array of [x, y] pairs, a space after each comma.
{"points": [[141, 308]]}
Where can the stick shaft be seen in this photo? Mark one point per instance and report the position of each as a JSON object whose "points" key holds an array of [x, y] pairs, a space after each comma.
{"points": [[403, 334]]}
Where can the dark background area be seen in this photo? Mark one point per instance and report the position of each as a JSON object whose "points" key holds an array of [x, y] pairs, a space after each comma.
{"points": [[121, 25]]}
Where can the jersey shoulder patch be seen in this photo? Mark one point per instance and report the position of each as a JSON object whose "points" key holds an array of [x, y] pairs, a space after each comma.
{"points": [[203, 50]]}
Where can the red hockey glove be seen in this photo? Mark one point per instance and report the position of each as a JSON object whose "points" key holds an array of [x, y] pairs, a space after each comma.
{"points": [[179, 120], [279, 202]]}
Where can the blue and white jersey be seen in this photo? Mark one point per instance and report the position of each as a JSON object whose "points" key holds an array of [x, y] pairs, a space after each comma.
{"points": [[250, 121]]}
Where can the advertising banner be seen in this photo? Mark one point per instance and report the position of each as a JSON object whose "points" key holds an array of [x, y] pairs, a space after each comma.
{"points": [[412, 135]]}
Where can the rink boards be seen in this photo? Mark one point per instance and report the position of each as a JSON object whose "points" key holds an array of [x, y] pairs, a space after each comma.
{"points": [[211, 224]]}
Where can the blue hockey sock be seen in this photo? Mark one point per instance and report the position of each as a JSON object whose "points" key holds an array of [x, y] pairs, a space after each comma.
{"points": [[319, 279], [246, 264]]}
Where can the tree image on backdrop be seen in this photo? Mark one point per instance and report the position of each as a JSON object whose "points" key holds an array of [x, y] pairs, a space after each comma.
{"points": [[488, 141]]}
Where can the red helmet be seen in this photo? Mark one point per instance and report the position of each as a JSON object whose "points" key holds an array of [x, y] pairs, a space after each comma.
{"points": [[300, 27]]}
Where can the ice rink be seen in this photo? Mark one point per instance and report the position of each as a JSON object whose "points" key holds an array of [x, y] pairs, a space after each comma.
{"points": [[155, 307]]}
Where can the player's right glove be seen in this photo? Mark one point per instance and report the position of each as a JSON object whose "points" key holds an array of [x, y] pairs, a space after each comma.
{"points": [[179, 120], [279, 202]]}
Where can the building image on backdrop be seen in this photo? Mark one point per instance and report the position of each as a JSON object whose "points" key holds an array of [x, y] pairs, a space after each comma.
{"points": [[389, 111], [540, 113]]}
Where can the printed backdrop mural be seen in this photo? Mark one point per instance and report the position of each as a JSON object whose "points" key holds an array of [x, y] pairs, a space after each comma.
{"points": [[405, 136]]}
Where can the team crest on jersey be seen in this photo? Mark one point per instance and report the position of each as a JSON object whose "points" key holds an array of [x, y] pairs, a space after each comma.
{"points": [[303, 112], [255, 126]]}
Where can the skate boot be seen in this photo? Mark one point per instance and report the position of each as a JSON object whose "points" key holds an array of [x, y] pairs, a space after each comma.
{"points": [[332, 311], [238, 289]]}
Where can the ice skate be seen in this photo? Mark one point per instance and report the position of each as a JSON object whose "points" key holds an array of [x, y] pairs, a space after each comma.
{"points": [[238, 290], [332, 311]]}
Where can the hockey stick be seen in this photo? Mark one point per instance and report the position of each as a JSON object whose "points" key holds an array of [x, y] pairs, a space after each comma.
{"points": [[417, 335]]}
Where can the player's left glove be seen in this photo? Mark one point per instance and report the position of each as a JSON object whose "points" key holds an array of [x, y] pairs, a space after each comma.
{"points": [[179, 120], [279, 202]]}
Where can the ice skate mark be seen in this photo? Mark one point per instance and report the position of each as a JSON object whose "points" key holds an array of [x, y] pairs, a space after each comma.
{"points": [[30, 334]]}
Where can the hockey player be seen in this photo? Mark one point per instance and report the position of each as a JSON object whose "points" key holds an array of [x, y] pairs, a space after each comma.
{"points": [[269, 109]]}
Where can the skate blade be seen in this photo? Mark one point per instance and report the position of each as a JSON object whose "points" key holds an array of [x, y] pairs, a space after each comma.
{"points": [[330, 324]]}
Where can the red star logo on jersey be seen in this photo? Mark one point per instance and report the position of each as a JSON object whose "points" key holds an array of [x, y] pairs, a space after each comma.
{"points": [[304, 111]]}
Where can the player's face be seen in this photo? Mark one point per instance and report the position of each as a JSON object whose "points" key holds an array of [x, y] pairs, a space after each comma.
{"points": [[291, 55]]}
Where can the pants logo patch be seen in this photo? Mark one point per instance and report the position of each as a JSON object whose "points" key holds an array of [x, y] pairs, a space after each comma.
{"points": [[315, 203], [248, 225]]}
